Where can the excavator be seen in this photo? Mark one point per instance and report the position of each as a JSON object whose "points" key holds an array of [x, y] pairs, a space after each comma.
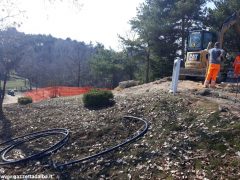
{"points": [[198, 43]]}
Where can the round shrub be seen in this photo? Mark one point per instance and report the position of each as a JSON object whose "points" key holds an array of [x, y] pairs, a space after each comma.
{"points": [[24, 100], [98, 98]]}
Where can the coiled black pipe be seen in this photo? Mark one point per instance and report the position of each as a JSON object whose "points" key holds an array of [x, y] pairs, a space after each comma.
{"points": [[22, 139], [136, 136], [11, 144]]}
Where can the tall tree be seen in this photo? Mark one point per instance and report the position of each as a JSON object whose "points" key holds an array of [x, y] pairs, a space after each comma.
{"points": [[106, 66], [133, 54], [162, 26], [10, 55], [188, 14], [9, 10], [78, 57], [223, 10]]}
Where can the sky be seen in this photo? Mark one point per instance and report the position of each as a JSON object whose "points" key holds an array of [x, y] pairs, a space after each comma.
{"points": [[92, 20]]}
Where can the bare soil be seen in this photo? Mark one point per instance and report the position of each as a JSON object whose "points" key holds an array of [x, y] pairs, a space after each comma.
{"points": [[12, 99], [192, 135]]}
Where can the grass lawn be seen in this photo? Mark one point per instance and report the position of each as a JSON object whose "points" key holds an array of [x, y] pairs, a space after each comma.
{"points": [[16, 83]]}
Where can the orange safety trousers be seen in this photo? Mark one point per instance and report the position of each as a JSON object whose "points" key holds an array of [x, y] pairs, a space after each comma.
{"points": [[236, 66], [237, 70], [213, 71]]}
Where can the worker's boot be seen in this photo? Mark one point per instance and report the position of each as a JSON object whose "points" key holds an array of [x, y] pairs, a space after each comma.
{"points": [[206, 83], [213, 84]]}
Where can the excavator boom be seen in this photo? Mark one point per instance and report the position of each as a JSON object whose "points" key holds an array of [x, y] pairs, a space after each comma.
{"points": [[233, 20]]}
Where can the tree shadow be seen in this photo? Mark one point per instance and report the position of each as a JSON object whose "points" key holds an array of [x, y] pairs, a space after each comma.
{"points": [[6, 134], [101, 106], [5, 128]]}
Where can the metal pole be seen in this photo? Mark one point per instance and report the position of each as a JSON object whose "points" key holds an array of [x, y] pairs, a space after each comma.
{"points": [[175, 75]]}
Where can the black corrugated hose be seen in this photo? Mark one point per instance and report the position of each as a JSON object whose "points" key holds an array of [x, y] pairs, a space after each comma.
{"points": [[11, 144]]}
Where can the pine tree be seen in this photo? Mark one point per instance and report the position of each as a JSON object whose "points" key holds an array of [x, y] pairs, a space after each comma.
{"points": [[217, 16], [162, 26]]}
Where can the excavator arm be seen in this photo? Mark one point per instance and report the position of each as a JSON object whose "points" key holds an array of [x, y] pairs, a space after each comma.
{"points": [[233, 20]]}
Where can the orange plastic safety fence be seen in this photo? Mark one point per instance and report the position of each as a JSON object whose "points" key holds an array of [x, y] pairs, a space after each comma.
{"points": [[51, 92]]}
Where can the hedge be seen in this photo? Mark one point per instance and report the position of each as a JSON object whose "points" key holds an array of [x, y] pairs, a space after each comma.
{"points": [[98, 98], [24, 100]]}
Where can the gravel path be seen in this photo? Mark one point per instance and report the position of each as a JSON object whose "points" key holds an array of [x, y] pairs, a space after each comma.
{"points": [[12, 99]]}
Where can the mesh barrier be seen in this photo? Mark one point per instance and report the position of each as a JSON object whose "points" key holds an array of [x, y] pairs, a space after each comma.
{"points": [[52, 92]]}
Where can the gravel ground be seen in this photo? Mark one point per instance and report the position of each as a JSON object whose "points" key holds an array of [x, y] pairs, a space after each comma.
{"points": [[193, 135]]}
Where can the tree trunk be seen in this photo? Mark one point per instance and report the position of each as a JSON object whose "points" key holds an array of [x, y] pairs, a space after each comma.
{"points": [[30, 84], [114, 81], [183, 38], [1, 100], [1, 107], [131, 76], [147, 65], [2, 94], [78, 74], [131, 72]]}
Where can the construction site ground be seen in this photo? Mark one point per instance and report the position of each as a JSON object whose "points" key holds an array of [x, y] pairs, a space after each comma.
{"points": [[192, 135]]}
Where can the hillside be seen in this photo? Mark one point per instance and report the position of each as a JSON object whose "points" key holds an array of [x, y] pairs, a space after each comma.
{"points": [[192, 135]]}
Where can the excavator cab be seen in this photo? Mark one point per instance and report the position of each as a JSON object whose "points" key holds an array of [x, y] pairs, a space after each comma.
{"points": [[196, 59], [198, 40]]}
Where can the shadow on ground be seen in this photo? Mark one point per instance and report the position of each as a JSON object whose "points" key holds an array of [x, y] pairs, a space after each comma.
{"points": [[5, 128]]}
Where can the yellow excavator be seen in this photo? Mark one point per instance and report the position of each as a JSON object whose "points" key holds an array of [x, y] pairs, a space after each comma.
{"points": [[198, 44]]}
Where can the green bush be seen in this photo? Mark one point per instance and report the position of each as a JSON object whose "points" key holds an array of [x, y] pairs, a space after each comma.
{"points": [[98, 98], [24, 100]]}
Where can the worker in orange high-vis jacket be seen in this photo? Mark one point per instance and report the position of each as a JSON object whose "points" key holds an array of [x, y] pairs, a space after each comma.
{"points": [[215, 55], [236, 66]]}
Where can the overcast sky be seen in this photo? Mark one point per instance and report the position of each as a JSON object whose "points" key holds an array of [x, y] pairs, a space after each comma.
{"points": [[96, 20]]}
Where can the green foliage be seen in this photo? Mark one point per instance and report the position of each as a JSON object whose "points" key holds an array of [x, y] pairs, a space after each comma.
{"points": [[134, 56], [24, 100], [17, 83], [107, 66], [98, 98], [137, 55], [162, 28], [217, 16]]}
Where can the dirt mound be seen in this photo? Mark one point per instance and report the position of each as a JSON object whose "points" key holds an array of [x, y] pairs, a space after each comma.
{"points": [[191, 135]]}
